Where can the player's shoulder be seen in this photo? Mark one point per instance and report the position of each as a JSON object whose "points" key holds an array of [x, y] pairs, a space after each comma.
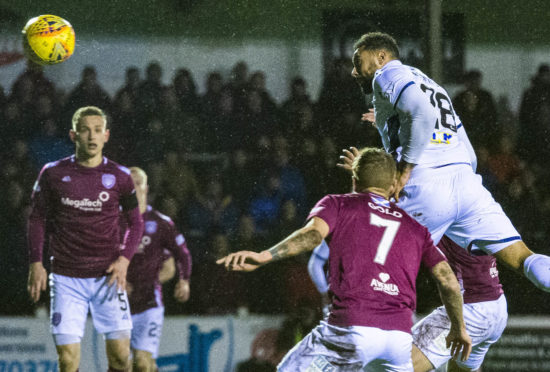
{"points": [[118, 168], [58, 164], [391, 72], [162, 218]]}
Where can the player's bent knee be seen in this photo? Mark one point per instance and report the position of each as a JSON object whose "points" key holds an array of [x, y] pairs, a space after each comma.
{"points": [[68, 357], [143, 361], [537, 269], [118, 353]]}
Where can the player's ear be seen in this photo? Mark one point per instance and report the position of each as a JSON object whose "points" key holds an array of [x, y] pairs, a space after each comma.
{"points": [[72, 135], [107, 135]]}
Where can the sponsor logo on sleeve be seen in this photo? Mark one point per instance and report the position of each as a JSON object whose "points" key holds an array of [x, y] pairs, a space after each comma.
{"points": [[108, 180], [66, 179]]}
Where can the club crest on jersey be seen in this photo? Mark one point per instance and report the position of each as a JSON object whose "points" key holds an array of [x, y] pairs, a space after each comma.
{"points": [[151, 227], [108, 180]]}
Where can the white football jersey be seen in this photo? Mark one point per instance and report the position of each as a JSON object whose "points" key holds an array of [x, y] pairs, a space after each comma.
{"points": [[396, 127]]}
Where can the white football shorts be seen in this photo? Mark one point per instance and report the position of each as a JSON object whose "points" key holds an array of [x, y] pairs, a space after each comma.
{"points": [[328, 348], [451, 200], [71, 298], [485, 322], [148, 329]]}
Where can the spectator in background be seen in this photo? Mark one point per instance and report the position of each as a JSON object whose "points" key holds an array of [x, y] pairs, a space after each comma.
{"points": [[33, 78], [213, 209], [221, 292], [298, 98], [211, 98], [150, 93], [534, 118], [131, 86], [186, 92], [239, 85], [257, 83], [87, 93], [476, 108]]}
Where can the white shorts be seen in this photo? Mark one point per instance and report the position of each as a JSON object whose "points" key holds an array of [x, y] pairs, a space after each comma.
{"points": [[485, 322], [147, 330], [451, 200], [328, 348], [72, 297]]}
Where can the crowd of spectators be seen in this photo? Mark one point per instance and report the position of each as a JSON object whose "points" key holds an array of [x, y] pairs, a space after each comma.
{"points": [[236, 170]]}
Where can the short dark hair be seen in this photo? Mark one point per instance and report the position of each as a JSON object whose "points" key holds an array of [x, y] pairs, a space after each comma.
{"points": [[376, 41], [374, 167]]}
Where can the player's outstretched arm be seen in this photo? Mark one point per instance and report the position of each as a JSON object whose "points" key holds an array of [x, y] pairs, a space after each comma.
{"points": [[301, 240], [37, 280], [458, 339]]}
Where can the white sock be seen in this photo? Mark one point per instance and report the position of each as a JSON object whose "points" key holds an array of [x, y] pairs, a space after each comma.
{"points": [[537, 269]]}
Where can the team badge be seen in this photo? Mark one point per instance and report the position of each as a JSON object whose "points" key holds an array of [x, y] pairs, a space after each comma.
{"points": [[56, 319], [108, 180], [150, 227]]}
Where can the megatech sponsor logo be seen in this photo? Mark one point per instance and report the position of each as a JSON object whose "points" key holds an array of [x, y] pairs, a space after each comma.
{"points": [[87, 204]]}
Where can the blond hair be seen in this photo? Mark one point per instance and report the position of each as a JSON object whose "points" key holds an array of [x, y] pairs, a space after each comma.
{"points": [[374, 168], [87, 111]]}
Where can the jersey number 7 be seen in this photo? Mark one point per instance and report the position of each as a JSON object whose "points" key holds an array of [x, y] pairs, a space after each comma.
{"points": [[391, 227]]}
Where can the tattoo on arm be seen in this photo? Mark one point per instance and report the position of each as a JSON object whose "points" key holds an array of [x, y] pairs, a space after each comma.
{"points": [[300, 241]]}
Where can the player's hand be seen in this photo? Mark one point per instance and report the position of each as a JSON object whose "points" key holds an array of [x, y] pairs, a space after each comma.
{"points": [[182, 291], [244, 260], [346, 160], [129, 288], [37, 280], [459, 341], [117, 273], [404, 170], [369, 117]]}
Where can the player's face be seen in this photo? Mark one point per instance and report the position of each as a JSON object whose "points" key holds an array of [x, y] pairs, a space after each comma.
{"points": [[365, 64], [140, 184], [90, 136]]}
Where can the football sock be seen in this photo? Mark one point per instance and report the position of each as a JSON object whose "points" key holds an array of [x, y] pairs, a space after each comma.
{"points": [[537, 269]]}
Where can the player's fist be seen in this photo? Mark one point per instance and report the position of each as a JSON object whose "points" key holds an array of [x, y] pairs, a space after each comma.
{"points": [[181, 290]]}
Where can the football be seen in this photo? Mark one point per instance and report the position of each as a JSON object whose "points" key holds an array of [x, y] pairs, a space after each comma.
{"points": [[48, 39]]}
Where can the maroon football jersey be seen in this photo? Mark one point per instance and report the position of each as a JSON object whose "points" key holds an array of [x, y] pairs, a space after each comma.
{"points": [[477, 275], [159, 237], [375, 253], [80, 207]]}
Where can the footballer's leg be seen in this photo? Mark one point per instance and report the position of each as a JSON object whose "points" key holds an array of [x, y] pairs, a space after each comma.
{"points": [[68, 357], [536, 267], [143, 361], [420, 362], [118, 354], [111, 317]]}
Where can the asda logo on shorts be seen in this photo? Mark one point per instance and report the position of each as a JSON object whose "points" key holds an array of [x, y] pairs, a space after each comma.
{"points": [[86, 204], [382, 286]]}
